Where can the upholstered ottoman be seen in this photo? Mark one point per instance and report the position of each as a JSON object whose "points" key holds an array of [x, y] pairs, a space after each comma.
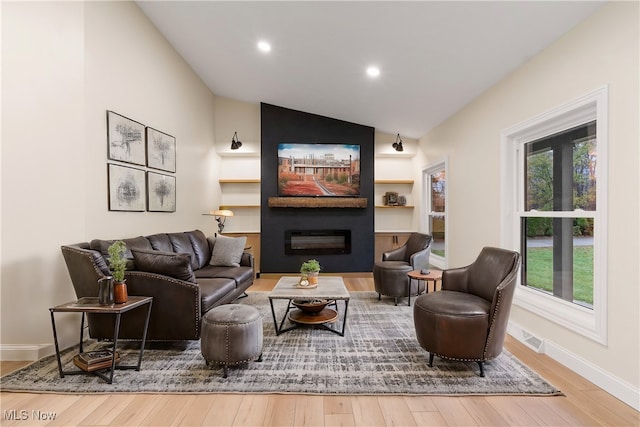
{"points": [[231, 334]]}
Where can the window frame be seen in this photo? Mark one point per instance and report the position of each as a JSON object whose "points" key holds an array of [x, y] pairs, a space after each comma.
{"points": [[442, 165], [591, 323]]}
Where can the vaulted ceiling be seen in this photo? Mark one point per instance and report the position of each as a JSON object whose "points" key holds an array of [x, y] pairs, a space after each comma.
{"points": [[434, 57]]}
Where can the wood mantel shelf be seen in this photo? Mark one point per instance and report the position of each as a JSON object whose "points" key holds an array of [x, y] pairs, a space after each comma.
{"points": [[318, 202]]}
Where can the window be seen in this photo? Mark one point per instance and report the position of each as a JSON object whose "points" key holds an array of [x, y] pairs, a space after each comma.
{"points": [[557, 250], [553, 188], [435, 185]]}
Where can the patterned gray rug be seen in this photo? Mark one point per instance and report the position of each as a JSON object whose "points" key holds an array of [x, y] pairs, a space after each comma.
{"points": [[379, 354]]}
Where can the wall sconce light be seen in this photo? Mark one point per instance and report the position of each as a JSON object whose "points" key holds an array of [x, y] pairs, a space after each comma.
{"points": [[221, 216], [235, 144], [398, 144]]}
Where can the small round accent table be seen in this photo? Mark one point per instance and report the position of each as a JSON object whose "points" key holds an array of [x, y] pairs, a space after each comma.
{"points": [[433, 276]]}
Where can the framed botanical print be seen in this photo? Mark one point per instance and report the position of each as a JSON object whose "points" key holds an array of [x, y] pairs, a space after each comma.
{"points": [[391, 197], [125, 139], [161, 150], [127, 190], [161, 191]]}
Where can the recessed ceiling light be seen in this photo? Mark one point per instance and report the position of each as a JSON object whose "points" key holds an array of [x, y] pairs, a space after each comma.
{"points": [[373, 71], [264, 46]]}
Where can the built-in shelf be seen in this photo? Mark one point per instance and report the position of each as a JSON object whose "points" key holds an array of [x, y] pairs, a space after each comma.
{"points": [[239, 181], [395, 155], [394, 181], [318, 202], [395, 207], [238, 153], [232, 207]]}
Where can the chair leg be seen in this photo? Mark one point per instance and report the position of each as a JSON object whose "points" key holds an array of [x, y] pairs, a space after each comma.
{"points": [[431, 360], [395, 300], [481, 365], [225, 371], [379, 296]]}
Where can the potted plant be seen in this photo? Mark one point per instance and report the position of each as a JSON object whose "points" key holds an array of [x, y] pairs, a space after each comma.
{"points": [[117, 265], [310, 270]]}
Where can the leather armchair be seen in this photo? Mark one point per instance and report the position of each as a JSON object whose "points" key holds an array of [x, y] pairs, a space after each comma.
{"points": [[390, 274], [467, 319]]}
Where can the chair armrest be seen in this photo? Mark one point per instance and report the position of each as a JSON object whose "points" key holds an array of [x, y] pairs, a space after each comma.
{"points": [[456, 279], [394, 254], [420, 259]]}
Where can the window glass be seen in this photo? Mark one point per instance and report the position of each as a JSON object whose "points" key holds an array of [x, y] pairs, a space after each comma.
{"points": [[560, 176], [438, 182], [559, 268]]}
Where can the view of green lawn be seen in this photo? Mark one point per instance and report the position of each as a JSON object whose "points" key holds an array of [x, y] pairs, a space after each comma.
{"points": [[540, 271]]}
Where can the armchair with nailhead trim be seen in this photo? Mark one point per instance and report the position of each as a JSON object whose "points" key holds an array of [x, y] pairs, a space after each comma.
{"points": [[467, 319]]}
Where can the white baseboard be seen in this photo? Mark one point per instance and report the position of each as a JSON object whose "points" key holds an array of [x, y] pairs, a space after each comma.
{"points": [[613, 385], [31, 352]]}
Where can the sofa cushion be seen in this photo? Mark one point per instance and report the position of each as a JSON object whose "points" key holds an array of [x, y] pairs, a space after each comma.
{"points": [[200, 247], [213, 290], [102, 246], [227, 251], [239, 274], [182, 243], [160, 242], [176, 265]]}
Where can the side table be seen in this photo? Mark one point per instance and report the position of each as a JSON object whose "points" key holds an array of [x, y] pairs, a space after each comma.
{"points": [[91, 305], [433, 276]]}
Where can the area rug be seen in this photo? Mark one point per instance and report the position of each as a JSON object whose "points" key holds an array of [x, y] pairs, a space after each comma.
{"points": [[379, 354]]}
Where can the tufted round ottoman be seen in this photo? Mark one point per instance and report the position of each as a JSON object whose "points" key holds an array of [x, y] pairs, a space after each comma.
{"points": [[231, 335]]}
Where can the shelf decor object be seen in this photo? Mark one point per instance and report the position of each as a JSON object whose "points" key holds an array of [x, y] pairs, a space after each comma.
{"points": [[161, 150], [391, 198]]}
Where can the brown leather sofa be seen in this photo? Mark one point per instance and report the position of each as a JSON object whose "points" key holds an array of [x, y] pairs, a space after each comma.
{"points": [[467, 319], [390, 275], [174, 269]]}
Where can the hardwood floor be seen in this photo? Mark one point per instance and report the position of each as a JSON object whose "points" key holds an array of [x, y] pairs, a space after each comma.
{"points": [[584, 404]]}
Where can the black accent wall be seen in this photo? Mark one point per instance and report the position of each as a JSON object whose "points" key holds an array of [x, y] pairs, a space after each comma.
{"points": [[278, 125]]}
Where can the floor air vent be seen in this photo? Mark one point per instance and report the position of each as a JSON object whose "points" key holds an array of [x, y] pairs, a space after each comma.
{"points": [[534, 342]]}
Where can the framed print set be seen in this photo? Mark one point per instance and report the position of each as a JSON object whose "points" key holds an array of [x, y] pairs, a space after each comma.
{"points": [[127, 188], [131, 188], [126, 139], [161, 190], [161, 150]]}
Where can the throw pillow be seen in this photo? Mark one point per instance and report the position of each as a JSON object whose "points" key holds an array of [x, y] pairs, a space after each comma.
{"points": [[172, 264], [227, 251]]}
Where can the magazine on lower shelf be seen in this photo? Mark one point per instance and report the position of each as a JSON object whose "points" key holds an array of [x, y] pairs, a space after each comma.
{"points": [[95, 356], [79, 361]]}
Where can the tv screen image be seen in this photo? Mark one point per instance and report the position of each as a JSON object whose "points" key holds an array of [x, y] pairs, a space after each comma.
{"points": [[318, 170]]}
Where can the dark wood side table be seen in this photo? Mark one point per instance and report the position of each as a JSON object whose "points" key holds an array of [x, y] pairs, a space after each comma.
{"points": [[433, 276], [91, 305]]}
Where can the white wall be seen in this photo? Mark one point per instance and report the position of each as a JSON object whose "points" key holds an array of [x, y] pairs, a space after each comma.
{"points": [[64, 65], [602, 50]]}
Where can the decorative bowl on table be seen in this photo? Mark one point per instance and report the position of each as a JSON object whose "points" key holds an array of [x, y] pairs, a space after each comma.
{"points": [[310, 306]]}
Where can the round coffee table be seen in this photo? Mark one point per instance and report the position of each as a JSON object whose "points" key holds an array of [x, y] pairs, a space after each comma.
{"points": [[433, 276]]}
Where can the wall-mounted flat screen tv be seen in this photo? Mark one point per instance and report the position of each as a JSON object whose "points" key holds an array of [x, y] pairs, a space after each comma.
{"points": [[318, 170]]}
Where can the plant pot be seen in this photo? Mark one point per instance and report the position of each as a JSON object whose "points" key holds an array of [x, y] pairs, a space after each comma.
{"points": [[313, 278], [120, 293]]}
